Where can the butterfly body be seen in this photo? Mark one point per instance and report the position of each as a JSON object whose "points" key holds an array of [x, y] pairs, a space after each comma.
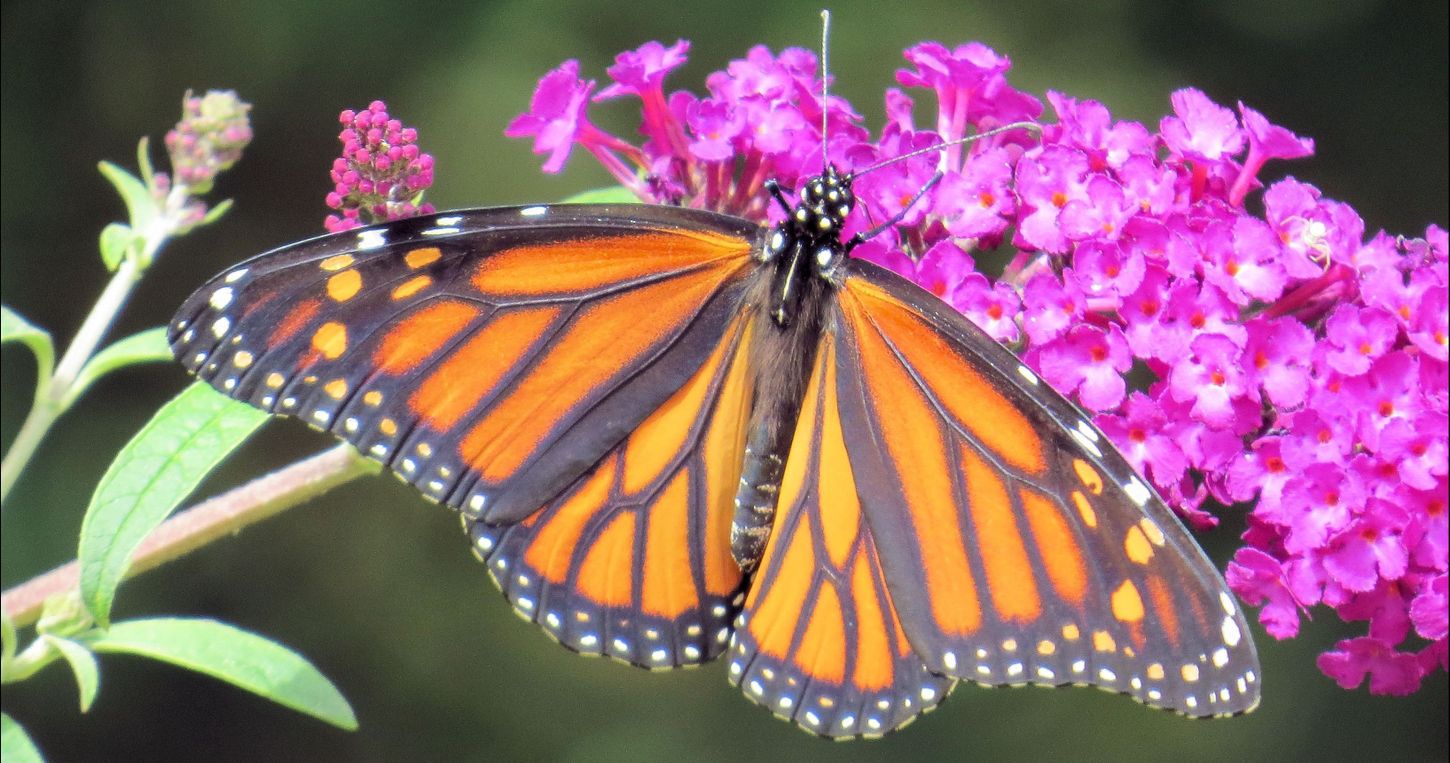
{"points": [[674, 434], [794, 291]]}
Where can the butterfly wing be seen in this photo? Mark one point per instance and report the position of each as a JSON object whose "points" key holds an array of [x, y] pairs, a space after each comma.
{"points": [[489, 357], [819, 641], [633, 561], [1017, 545]]}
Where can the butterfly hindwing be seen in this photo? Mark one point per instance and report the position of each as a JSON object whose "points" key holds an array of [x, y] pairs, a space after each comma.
{"points": [[633, 561], [1018, 546], [819, 641], [488, 357]]}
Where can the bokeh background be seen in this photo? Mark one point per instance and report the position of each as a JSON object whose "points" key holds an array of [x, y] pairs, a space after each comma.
{"points": [[377, 587]]}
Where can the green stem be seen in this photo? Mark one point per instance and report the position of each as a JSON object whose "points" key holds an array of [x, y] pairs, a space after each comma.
{"points": [[37, 423], [49, 401], [206, 522], [94, 328]]}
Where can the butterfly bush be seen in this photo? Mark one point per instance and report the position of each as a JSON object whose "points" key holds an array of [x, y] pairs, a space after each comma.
{"points": [[1281, 360], [381, 174]]}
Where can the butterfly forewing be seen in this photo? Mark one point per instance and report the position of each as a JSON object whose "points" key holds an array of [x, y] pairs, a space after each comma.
{"points": [[1018, 546], [489, 357]]}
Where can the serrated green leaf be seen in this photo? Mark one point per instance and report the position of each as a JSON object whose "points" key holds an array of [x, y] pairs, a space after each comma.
{"points": [[117, 239], [15, 744], [611, 195], [139, 205], [14, 328], [216, 212], [240, 658], [156, 470], [83, 665], [147, 346]]}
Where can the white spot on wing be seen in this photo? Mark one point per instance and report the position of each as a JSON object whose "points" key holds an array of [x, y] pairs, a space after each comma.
{"points": [[1137, 492], [1087, 444], [221, 298], [371, 239], [1231, 634]]}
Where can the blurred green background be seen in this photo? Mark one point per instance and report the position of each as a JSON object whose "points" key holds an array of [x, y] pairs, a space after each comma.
{"points": [[376, 586]]}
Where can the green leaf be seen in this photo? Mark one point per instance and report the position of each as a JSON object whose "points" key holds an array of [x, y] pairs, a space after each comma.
{"points": [[143, 161], [83, 664], [216, 212], [15, 744], [7, 637], [118, 241], [148, 346], [243, 659], [13, 328], [156, 470], [611, 195], [139, 204]]}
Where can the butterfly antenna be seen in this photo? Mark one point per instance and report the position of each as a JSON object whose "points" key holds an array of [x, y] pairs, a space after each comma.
{"points": [[1033, 126], [825, 75]]}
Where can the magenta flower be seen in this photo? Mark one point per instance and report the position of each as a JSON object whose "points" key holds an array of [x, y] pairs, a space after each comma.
{"points": [[1288, 362], [1259, 579], [1277, 353], [1357, 337], [1428, 610], [1211, 379], [1090, 362], [978, 202], [1088, 127], [1370, 549], [1201, 130], [1389, 671], [994, 307], [1266, 141], [381, 174], [1045, 185], [1143, 434]]}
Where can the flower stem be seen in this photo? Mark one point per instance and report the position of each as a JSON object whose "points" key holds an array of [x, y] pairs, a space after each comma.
{"points": [[48, 405], [206, 522]]}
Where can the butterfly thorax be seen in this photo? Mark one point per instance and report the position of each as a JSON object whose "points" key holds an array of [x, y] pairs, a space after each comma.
{"points": [[796, 285]]}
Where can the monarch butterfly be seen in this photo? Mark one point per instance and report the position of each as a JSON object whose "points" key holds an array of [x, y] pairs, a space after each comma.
{"points": [[674, 434]]}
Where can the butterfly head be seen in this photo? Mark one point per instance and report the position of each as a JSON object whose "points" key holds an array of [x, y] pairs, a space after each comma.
{"points": [[807, 243]]}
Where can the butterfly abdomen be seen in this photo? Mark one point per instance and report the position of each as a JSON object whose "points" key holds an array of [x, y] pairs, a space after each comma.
{"points": [[781, 357]]}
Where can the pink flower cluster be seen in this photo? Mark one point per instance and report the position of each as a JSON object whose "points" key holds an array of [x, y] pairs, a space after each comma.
{"points": [[381, 174], [1288, 362], [213, 130]]}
